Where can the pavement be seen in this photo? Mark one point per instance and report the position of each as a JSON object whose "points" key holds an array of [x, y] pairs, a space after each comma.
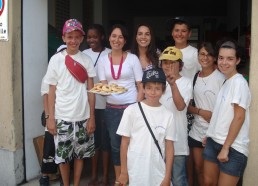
{"points": [[85, 178]]}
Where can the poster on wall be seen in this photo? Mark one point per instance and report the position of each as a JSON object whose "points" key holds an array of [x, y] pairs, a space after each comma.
{"points": [[3, 20]]}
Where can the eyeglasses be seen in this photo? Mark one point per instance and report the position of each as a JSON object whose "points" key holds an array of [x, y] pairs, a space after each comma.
{"points": [[203, 55]]}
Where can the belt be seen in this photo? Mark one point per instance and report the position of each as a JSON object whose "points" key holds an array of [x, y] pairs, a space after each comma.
{"points": [[108, 105]]}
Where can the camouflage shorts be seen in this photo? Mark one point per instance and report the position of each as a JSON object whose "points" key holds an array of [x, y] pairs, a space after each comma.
{"points": [[72, 141]]}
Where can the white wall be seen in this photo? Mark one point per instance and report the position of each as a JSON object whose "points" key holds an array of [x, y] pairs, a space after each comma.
{"points": [[35, 59]]}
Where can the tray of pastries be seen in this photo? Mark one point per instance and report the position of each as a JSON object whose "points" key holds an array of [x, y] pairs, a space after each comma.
{"points": [[105, 89]]}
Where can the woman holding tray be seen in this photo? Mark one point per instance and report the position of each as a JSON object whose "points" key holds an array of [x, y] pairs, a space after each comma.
{"points": [[123, 69]]}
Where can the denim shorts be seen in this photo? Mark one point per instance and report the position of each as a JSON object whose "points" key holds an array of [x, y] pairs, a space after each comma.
{"points": [[101, 137], [237, 161]]}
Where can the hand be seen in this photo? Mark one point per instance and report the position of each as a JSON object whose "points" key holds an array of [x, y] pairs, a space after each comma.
{"points": [[223, 155], [165, 182], [204, 140], [206, 115], [123, 179], [171, 76], [90, 127], [51, 126]]}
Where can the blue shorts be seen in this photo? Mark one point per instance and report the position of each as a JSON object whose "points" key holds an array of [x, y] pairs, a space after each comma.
{"points": [[237, 161]]}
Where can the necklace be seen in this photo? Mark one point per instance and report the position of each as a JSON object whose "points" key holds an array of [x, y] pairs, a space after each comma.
{"points": [[119, 69], [202, 77]]}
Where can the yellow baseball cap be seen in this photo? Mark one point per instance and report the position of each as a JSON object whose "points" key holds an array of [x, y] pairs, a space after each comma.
{"points": [[172, 54]]}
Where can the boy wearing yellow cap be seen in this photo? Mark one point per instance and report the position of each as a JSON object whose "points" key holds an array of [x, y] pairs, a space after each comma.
{"points": [[176, 98], [70, 73]]}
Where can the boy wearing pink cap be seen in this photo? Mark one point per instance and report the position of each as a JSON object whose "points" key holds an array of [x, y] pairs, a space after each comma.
{"points": [[71, 108]]}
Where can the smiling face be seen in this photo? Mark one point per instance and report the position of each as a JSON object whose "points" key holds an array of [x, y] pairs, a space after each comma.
{"points": [[180, 34], [169, 66], [94, 40], [227, 61], [116, 39], [206, 60], [153, 91], [143, 36], [73, 40]]}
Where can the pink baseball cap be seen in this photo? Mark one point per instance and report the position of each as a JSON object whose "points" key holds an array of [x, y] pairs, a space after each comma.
{"points": [[72, 25]]}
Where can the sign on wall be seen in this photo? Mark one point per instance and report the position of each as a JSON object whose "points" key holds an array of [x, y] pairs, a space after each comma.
{"points": [[3, 20]]}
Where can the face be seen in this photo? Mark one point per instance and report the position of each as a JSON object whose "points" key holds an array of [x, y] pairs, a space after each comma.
{"points": [[116, 39], [73, 40], [181, 33], [205, 59], [170, 67], [153, 92], [94, 40], [143, 36], [227, 61]]}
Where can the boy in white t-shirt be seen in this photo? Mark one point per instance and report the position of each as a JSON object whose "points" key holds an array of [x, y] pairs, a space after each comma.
{"points": [[176, 99], [142, 162], [70, 105]]}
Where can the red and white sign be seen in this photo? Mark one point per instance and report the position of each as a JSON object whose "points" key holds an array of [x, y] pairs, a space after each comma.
{"points": [[3, 20]]}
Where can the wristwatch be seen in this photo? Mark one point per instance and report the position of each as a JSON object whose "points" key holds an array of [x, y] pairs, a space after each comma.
{"points": [[46, 116]]}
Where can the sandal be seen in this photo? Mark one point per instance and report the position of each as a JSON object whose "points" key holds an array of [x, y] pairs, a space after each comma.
{"points": [[117, 183]]}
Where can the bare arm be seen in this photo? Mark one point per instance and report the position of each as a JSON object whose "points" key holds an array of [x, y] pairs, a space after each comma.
{"points": [[51, 124], [123, 178], [140, 95], [91, 99], [235, 126], [177, 98], [45, 104], [205, 114], [169, 162]]}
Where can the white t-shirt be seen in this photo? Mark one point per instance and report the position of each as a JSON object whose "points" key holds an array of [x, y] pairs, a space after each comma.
{"points": [[185, 88], [71, 96], [100, 100], [145, 164], [130, 73], [234, 91], [190, 59], [205, 94]]}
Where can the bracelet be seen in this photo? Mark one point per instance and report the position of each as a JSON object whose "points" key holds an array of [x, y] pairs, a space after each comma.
{"points": [[198, 111]]}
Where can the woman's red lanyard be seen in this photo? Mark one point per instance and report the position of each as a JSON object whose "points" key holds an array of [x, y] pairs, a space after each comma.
{"points": [[119, 69]]}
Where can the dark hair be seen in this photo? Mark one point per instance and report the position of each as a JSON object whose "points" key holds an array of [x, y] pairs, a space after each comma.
{"points": [[177, 20], [122, 28], [208, 46], [100, 30], [163, 85], [152, 49], [181, 64], [229, 43], [123, 31]]}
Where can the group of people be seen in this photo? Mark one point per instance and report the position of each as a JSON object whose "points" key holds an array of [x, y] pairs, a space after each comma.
{"points": [[145, 129]]}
